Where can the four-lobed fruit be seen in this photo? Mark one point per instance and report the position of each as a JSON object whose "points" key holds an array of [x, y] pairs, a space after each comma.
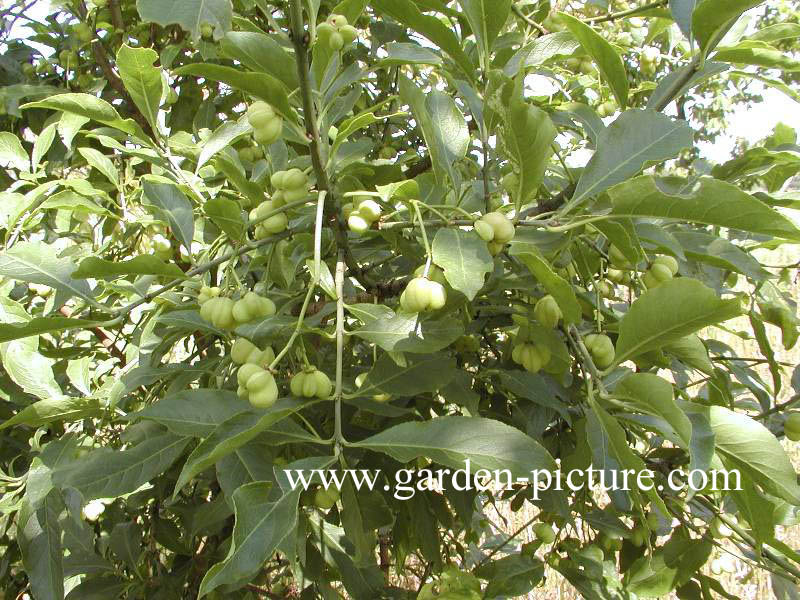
{"points": [[601, 349], [791, 427], [310, 383], [267, 124], [290, 186], [662, 269], [544, 533], [531, 356], [244, 351], [606, 109], [161, 246], [324, 499], [270, 225], [547, 312], [360, 218], [336, 32], [495, 228], [257, 385], [252, 306], [219, 312], [422, 294]]}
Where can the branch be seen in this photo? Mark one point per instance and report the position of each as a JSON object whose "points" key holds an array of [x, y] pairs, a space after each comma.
{"points": [[300, 43], [518, 11], [627, 13]]}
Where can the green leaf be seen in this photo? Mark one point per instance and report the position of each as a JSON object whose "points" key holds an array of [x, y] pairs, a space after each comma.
{"points": [[43, 143], [486, 19], [260, 52], [407, 13], [189, 14], [40, 325], [672, 310], [542, 49], [126, 542], [12, 152], [261, 525], [720, 253], [528, 135], [747, 445], [64, 409], [691, 351], [449, 128], [223, 137], [195, 413], [689, 76], [710, 201], [110, 473], [411, 333], [758, 54], [604, 55], [555, 285], [682, 14], [232, 434], [464, 258], [426, 373], [779, 31], [37, 262], [511, 576], [619, 449], [260, 85], [488, 444], [635, 139], [227, 215], [89, 107], [712, 18], [146, 264], [39, 538], [176, 207], [142, 80], [654, 396], [102, 163], [400, 53]]}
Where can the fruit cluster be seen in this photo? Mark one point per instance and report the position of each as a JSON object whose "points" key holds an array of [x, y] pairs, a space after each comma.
{"points": [[257, 385], [336, 32], [290, 186], [244, 351], [662, 269], [225, 313], [311, 383], [423, 294], [267, 124], [361, 217], [601, 349], [496, 230]]}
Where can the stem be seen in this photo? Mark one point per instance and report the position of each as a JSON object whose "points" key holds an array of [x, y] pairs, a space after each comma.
{"points": [[338, 436], [300, 43], [424, 239], [312, 285], [528, 20]]}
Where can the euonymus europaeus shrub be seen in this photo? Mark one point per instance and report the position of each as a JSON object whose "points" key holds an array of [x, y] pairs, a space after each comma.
{"points": [[243, 237]]}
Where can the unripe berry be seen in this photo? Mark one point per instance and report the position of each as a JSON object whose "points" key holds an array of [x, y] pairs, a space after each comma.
{"points": [[791, 427], [502, 226], [547, 312]]}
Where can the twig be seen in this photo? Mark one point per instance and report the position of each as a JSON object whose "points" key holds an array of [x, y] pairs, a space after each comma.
{"points": [[528, 20], [339, 437], [627, 13]]}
